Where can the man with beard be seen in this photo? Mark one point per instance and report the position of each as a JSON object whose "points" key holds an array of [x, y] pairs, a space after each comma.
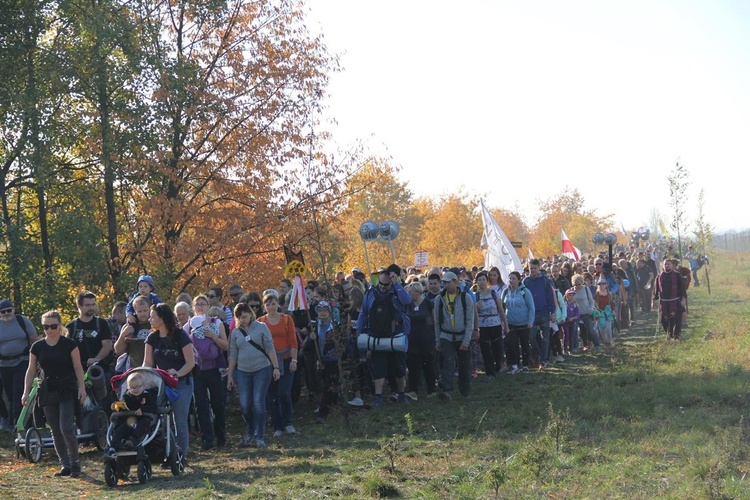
{"points": [[669, 290], [91, 333]]}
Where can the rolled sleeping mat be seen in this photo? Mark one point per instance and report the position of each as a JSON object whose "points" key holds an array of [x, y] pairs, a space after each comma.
{"points": [[397, 343], [98, 382]]}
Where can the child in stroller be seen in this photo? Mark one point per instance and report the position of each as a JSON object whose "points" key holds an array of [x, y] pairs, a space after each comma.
{"points": [[140, 400], [157, 443]]}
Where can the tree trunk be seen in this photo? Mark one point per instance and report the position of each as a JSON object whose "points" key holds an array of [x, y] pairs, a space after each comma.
{"points": [[115, 266]]}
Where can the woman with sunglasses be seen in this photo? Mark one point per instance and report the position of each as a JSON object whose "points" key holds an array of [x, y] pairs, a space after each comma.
{"points": [[60, 389]]}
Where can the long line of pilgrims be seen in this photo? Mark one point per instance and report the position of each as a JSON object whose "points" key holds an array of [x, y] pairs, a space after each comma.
{"points": [[401, 335]]}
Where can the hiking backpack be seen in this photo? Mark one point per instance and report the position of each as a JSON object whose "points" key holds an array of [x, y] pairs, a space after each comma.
{"points": [[383, 315]]}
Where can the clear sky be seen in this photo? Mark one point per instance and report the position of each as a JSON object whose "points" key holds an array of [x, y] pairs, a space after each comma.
{"points": [[516, 100]]}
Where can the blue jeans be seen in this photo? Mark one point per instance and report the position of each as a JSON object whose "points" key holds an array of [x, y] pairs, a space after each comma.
{"points": [[593, 334], [541, 329], [252, 388], [180, 411], [210, 394], [280, 399]]}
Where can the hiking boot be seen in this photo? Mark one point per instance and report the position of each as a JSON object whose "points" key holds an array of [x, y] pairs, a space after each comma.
{"points": [[65, 471]]}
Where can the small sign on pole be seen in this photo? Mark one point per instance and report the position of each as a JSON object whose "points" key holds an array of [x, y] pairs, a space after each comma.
{"points": [[420, 259]]}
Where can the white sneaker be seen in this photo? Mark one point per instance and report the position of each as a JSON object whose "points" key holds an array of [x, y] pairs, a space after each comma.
{"points": [[278, 434], [515, 370], [560, 359], [289, 429], [356, 402]]}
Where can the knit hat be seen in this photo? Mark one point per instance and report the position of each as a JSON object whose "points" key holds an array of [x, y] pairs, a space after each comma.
{"points": [[148, 280]]}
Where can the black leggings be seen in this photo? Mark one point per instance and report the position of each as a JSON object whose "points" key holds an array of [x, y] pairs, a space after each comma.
{"points": [[491, 344], [61, 416], [518, 334]]}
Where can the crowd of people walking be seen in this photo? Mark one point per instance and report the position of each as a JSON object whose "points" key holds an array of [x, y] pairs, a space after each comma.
{"points": [[399, 335]]}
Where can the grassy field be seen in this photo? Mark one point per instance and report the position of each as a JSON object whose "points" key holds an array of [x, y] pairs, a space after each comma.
{"points": [[652, 419]]}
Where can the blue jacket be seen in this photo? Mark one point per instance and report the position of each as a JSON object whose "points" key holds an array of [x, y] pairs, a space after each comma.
{"points": [[541, 290], [152, 297], [400, 298], [519, 306]]}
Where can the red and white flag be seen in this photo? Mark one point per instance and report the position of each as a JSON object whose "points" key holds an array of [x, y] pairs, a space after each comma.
{"points": [[568, 249], [299, 299]]}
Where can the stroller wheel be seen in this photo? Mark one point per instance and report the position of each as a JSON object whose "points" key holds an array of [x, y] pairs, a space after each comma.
{"points": [[144, 471], [176, 461], [33, 444], [110, 474], [100, 432]]}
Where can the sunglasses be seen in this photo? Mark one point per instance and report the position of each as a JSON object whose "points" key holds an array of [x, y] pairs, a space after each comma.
{"points": [[254, 306], [598, 264], [211, 296], [50, 327], [7, 311]]}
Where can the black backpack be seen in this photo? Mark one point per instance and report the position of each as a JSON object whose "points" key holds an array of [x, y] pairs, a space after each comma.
{"points": [[383, 315]]}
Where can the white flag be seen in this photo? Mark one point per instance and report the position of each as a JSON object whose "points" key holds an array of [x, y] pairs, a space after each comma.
{"points": [[500, 253], [531, 255]]}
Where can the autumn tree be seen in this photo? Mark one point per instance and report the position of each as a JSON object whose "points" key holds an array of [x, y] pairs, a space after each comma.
{"points": [[377, 195], [566, 211], [230, 87], [452, 230]]}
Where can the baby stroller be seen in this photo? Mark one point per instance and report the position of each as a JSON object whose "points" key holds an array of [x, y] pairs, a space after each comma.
{"points": [[33, 435], [158, 445]]}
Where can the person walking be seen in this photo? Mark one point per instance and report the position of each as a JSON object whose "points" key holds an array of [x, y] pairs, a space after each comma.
{"points": [[60, 390]]}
